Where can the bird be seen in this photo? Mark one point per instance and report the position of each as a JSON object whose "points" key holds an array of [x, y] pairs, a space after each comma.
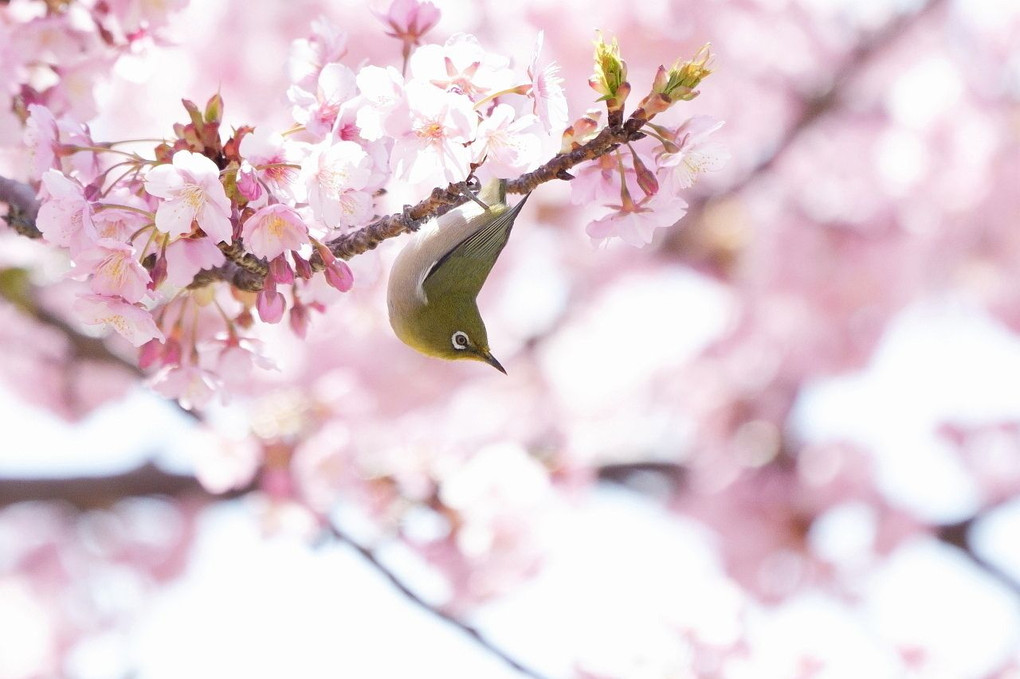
{"points": [[434, 281]]}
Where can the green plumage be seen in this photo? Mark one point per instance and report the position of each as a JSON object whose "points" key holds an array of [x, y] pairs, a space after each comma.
{"points": [[437, 276]]}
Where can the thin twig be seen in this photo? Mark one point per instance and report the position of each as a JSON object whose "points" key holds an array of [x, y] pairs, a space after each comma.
{"points": [[958, 535], [442, 200], [476, 636]]}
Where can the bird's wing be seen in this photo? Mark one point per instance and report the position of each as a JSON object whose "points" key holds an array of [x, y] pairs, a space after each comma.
{"points": [[463, 270]]}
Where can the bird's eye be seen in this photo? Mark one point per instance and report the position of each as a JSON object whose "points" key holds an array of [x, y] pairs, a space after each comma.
{"points": [[460, 340]]}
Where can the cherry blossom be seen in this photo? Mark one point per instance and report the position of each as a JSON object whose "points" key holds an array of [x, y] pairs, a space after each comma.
{"points": [[66, 217], [335, 176], [308, 56], [192, 386], [42, 137], [187, 256], [273, 230], [549, 99], [114, 271], [272, 158], [441, 125], [409, 20], [318, 110], [132, 322], [463, 66], [508, 146], [635, 223], [382, 90], [192, 193], [691, 152]]}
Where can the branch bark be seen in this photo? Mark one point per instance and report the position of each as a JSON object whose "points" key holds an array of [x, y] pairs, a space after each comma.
{"points": [[23, 208], [472, 632], [94, 492], [247, 272]]}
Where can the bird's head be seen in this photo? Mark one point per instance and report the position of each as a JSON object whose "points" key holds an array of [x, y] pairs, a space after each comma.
{"points": [[452, 328]]}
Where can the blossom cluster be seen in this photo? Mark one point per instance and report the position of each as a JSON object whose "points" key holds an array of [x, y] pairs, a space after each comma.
{"points": [[186, 246], [52, 53]]}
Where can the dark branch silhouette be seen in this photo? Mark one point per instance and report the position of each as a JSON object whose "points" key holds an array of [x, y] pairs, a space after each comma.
{"points": [[402, 587]]}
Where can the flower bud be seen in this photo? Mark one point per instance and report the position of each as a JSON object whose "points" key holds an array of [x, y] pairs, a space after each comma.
{"points": [[270, 305]]}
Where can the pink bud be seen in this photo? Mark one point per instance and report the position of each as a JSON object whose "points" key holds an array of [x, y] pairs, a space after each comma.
{"points": [[270, 305], [339, 275], [150, 353], [158, 273], [301, 266], [244, 319], [172, 352], [247, 182], [410, 19], [299, 319], [280, 270], [645, 177]]}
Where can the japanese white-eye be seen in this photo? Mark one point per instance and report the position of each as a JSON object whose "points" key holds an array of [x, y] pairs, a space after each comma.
{"points": [[437, 276]]}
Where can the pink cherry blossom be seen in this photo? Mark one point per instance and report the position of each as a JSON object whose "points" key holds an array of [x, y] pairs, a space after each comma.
{"points": [[132, 322], [308, 56], [273, 230], [226, 464], [318, 110], [273, 158], [383, 102], [409, 20], [193, 193], [115, 223], [335, 175], [72, 95], [463, 66], [185, 257], [138, 17], [42, 137], [192, 386], [321, 465], [635, 223], [115, 270], [509, 147], [233, 359], [65, 215], [549, 99], [691, 153], [598, 181], [432, 148]]}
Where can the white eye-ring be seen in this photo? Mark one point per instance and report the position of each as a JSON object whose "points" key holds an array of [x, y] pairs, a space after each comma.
{"points": [[460, 340]]}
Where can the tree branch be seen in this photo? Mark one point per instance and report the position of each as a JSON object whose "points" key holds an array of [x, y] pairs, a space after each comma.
{"points": [[443, 200], [93, 492], [956, 534], [23, 207], [16, 289], [472, 632], [247, 272]]}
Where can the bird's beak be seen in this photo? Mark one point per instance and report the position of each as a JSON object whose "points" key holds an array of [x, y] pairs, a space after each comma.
{"points": [[491, 360]]}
